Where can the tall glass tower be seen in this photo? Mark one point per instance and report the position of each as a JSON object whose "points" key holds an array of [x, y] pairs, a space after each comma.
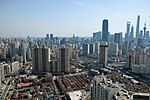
{"points": [[105, 30], [137, 27]]}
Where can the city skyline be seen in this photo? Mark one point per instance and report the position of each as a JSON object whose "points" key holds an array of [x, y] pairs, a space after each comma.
{"points": [[65, 18]]}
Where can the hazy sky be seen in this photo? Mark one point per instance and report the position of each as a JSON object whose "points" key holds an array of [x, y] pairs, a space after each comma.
{"points": [[68, 17]]}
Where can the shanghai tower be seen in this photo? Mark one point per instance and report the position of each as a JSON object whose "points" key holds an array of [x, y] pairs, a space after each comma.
{"points": [[137, 27]]}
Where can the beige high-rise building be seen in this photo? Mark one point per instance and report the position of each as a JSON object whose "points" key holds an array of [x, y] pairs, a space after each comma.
{"points": [[70, 49], [138, 61], [2, 53], [113, 49], [137, 54], [103, 55], [54, 66], [97, 46], [130, 59], [64, 59], [148, 63], [2, 76], [41, 59]]}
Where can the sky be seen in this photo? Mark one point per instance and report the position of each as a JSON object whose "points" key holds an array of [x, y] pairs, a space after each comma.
{"points": [[67, 17]]}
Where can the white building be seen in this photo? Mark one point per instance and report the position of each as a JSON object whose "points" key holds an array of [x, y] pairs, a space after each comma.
{"points": [[97, 46]]}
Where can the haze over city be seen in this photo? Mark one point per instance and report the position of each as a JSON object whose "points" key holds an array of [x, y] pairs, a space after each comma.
{"points": [[68, 17]]}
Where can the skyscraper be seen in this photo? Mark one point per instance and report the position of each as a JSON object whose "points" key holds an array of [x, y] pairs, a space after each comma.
{"points": [[29, 54], [91, 48], [113, 49], [131, 34], [47, 37], [118, 38], [70, 50], [97, 36], [138, 27], [97, 46], [2, 75], [105, 30], [41, 59], [64, 59], [94, 88], [127, 32], [85, 49], [23, 51], [141, 34], [103, 55], [103, 88], [51, 37], [147, 35]]}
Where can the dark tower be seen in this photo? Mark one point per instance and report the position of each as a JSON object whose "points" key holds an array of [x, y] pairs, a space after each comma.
{"points": [[118, 38], [105, 30]]}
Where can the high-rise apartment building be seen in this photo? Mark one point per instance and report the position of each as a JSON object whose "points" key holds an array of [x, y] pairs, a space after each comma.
{"points": [[147, 35], [23, 51], [138, 61], [41, 59], [85, 49], [113, 49], [54, 66], [97, 36], [103, 55], [29, 57], [2, 76], [64, 59], [91, 48], [105, 32], [70, 50], [97, 46], [3, 53], [103, 88], [125, 48]]}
